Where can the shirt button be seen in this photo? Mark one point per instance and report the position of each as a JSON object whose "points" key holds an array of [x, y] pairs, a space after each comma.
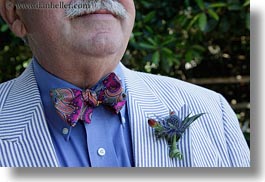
{"points": [[65, 131], [101, 152]]}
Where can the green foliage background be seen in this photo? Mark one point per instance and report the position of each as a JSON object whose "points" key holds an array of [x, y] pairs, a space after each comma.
{"points": [[185, 39]]}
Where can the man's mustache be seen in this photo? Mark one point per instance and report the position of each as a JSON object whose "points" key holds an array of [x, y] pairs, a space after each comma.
{"points": [[80, 7]]}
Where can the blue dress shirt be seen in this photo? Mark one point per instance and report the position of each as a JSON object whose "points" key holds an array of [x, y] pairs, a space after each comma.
{"points": [[106, 142]]}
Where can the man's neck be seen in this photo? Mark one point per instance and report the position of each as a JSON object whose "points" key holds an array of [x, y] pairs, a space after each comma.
{"points": [[83, 73]]}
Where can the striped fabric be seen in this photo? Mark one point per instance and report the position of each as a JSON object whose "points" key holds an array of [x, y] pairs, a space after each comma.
{"points": [[214, 140], [24, 137]]}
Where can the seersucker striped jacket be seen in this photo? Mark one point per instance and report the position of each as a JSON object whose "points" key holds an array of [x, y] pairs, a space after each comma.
{"points": [[214, 140]]}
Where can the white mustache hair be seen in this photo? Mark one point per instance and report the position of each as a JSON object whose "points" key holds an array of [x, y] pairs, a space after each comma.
{"points": [[79, 7]]}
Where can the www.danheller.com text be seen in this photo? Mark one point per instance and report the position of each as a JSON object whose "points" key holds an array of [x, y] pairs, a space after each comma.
{"points": [[49, 5]]}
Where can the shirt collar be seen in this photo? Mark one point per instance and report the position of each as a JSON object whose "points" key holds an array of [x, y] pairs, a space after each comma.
{"points": [[46, 81]]}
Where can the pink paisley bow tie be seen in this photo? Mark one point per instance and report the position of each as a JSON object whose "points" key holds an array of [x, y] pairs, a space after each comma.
{"points": [[73, 105]]}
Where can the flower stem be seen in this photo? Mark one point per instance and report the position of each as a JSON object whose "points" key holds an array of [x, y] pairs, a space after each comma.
{"points": [[174, 152], [173, 147]]}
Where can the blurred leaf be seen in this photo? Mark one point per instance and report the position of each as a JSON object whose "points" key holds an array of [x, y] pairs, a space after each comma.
{"points": [[247, 3], [156, 58], [213, 14], [146, 3], [248, 21], [152, 41], [194, 19], [167, 51], [150, 16], [149, 29], [200, 3], [198, 47], [136, 34], [189, 56], [4, 28], [146, 46], [169, 41], [234, 6], [202, 21], [217, 5]]}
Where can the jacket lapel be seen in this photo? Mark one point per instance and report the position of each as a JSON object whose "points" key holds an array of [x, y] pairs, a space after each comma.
{"points": [[144, 101], [24, 137]]}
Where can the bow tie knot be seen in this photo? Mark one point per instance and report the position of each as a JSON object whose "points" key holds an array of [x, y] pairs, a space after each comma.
{"points": [[73, 105], [90, 98]]}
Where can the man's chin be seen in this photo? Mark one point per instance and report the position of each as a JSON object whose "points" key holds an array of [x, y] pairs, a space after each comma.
{"points": [[100, 51], [102, 46]]}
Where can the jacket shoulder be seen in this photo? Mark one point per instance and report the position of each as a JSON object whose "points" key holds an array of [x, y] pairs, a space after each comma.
{"points": [[165, 83], [6, 85], [4, 91]]}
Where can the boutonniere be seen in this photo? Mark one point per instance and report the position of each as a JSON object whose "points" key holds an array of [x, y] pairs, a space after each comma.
{"points": [[171, 128]]}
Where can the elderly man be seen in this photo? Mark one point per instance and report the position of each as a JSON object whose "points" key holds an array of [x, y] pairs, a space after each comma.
{"points": [[76, 105]]}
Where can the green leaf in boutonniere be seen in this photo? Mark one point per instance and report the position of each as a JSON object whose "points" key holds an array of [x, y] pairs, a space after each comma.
{"points": [[172, 128]]}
